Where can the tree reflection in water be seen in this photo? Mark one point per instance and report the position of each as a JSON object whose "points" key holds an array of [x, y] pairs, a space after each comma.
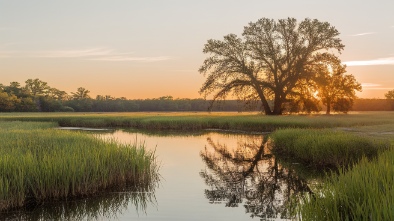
{"points": [[251, 175]]}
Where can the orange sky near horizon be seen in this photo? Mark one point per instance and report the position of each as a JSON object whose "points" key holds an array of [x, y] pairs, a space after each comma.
{"points": [[149, 49]]}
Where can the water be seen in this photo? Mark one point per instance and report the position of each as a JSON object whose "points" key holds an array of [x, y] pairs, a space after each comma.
{"points": [[204, 176]]}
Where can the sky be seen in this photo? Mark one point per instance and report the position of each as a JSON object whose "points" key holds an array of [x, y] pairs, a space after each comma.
{"points": [[147, 49]]}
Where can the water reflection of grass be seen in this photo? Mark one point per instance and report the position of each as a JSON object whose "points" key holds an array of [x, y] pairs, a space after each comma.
{"points": [[104, 206], [38, 164]]}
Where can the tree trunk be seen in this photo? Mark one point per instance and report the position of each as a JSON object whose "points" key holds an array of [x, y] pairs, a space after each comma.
{"points": [[277, 109], [267, 109], [277, 105], [328, 106]]}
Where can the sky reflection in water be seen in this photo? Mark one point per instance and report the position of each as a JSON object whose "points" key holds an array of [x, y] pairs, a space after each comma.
{"points": [[204, 176]]}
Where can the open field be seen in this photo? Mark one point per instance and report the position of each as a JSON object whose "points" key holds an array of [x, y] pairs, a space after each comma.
{"points": [[203, 120], [39, 163]]}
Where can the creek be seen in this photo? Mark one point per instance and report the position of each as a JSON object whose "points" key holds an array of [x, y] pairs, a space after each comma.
{"points": [[206, 175]]}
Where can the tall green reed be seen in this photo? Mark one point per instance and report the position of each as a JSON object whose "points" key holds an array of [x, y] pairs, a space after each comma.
{"points": [[47, 164], [203, 120], [363, 193], [322, 148]]}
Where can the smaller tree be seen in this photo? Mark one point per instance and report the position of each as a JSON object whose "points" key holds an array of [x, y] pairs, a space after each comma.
{"points": [[335, 88], [8, 102], [36, 87], [389, 95], [14, 89], [57, 94], [390, 98], [81, 94], [80, 101], [26, 104]]}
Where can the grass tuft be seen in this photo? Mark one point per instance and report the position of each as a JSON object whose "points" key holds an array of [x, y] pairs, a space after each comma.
{"points": [[40, 164], [324, 148], [363, 193], [202, 120]]}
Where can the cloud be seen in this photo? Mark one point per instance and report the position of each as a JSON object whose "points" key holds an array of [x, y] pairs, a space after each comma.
{"points": [[362, 34], [380, 61], [374, 86], [127, 58], [93, 54], [369, 85], [378, 88], [74, 53], [186, 70]]}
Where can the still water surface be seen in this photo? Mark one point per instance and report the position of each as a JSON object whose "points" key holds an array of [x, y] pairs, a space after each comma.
{"points": [[204, 176]]}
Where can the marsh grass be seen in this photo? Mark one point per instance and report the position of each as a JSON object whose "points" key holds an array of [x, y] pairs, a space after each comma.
{"points": [[203, 120], [364, 193], [19, 125], [325, 148], [361, 190], [39, 164]]}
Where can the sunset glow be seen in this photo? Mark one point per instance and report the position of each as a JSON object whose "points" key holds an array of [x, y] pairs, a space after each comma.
{"points": [[149, 49]]}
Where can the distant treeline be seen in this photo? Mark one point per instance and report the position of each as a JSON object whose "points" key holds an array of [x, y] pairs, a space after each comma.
{"points": [[169, 104], [37, 96], [166, 103], [373, 105]]}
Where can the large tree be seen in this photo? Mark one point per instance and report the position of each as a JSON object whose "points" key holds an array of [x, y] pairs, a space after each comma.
{"points": [[268, 62]]}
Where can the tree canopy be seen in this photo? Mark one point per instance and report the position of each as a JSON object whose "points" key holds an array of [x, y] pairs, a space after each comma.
{"points": [[271, 62], [389, 95], [81, 93], [335, 88]]}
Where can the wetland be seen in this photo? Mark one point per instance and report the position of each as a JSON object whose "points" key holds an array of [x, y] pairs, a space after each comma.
{"points": [[221, 175]]}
